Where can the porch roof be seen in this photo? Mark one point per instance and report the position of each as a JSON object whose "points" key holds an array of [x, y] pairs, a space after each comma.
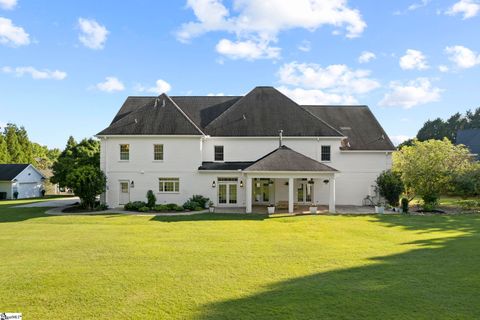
{"points": [[235, 165], [286, 159]]}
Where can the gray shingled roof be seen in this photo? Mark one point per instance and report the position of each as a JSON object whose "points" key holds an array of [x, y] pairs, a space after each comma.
{"points": [[286, 159], [158, 117], [471, 139], [357, 123], [234, 165], [8, 172], [263, 112]]}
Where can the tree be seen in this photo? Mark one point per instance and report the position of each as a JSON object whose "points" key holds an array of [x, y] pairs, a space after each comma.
{"points": [[427, 168], [87, 152], [4, 155], [467, 183], [87, 182], [390, 186]]}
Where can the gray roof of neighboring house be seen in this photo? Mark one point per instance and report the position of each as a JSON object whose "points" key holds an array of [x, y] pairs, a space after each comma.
{"points": [[357, 123], [8, 172], [286, 159], [238, 165], [471, 139], [262, 112]]}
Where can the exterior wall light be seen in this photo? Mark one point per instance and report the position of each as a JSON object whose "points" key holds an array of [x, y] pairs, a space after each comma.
{"points": [[326, 181], [311, 181], [241, 183], [214, 184], [132, 184]]}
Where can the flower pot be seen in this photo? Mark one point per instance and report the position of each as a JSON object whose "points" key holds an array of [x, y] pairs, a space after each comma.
{"points": [[313, 210], [379, 209], [271, 210], [211, 209]]}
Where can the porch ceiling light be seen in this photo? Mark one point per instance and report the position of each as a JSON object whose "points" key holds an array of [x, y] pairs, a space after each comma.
{"points": [[214, 184]]}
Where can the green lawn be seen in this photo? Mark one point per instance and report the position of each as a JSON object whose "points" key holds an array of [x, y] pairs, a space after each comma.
{"points": [[215, 266]]}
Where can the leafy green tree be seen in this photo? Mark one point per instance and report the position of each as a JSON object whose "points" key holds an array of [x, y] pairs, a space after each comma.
{"points": [[87, 181], [390, 186], [87, 152], [427, 168], [4, 155], [467, 183]]}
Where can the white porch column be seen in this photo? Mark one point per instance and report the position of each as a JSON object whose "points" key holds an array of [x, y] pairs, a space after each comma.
{"points": [[331, 202], [290, 195], [248, 196]]}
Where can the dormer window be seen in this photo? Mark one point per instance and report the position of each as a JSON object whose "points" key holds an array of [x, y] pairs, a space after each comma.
{"points": [[218, 153]]}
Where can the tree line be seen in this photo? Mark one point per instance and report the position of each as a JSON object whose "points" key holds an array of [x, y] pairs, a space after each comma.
{"points": [[16, 147], [438, 128]]}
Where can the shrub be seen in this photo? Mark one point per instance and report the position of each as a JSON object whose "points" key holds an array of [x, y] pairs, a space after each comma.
{"points": [[201, 200], [135, 205], [390, 187], [15, 195], [161, 207], [43, 192], [151, 199], [101, 207], [199, 208], [467, 184], [171, 206], [144, 209], [469, 204], [404, 205], [179, 208], [191, 205], [87, 182], [430, 202]]}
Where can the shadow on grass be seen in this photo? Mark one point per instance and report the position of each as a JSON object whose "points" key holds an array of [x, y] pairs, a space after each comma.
{"points": [[438, 280], [210, 217]]}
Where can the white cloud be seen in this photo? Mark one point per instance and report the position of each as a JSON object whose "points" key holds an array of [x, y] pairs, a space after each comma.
{"points": [[366, 56], [255, 21], [415, 92], [305, 46], [335, 78], [443, 68], [248, 50], [463, 57], [92, 34], [469, 9], [418, 5], [35, 73], [161, 86], [399, 139], [220, 94], [111, 84], [316, 96], [8, 4], [413, 59], [12, 35]]}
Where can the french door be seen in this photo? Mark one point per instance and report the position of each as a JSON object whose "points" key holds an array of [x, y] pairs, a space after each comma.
{"points": [[227, 191], [304, 192]]}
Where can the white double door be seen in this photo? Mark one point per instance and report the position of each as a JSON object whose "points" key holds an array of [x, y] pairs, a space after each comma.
{"points": [[227, 191]]}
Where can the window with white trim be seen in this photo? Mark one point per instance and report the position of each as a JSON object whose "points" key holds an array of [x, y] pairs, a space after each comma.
{"points": [[326, 153], [158, 152], [124, 152], [218, 153], [168, 185]]}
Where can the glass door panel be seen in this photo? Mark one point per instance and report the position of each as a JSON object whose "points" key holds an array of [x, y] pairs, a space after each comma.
{"points": [[222, 193], [232, 193]]}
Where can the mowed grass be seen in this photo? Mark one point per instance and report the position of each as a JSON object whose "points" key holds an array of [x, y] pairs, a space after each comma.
{"points": [[214, 266]]}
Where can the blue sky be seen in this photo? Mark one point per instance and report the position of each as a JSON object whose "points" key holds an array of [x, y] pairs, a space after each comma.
{"points": [[67, 66]]}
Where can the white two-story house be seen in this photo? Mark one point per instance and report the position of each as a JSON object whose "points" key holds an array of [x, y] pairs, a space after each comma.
{"points": [[242, 151]]}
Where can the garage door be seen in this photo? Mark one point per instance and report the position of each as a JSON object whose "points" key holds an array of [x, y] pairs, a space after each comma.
{"points": [[28, 190]]}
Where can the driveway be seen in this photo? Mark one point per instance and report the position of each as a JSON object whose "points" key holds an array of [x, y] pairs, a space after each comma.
{"points": [[53, 203]]}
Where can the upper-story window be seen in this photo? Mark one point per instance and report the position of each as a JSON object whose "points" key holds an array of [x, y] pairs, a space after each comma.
{"points": [[124, 152], [326, 153], [158, 152], [218, 153]]}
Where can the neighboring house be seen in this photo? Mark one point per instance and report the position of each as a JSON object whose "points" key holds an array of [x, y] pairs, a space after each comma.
{"points": [[471, 139], [22, 178], [241, 151]]}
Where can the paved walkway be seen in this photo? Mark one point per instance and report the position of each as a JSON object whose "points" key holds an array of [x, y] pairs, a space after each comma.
{"points": [[65, 202], [59, 212]]}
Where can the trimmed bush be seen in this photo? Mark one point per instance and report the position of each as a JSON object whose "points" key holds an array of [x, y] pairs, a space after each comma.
{"points": [[390, 187], [171, 206], [161, 207], [151, 199], [199, 208], [144, 209], [191, 205], [135, 205], [201, 200], [469, 204], [179, 208]]}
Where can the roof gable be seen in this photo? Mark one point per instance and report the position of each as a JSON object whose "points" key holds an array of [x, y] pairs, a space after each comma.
{"points": [[8, 172], [286, 159], [263, 112], [160, 116]]}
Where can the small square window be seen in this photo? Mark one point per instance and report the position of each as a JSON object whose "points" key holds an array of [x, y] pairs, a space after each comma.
{"points": [[326, 154], [158, 152], [168, 185], [218, 153], [124, 152]]}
